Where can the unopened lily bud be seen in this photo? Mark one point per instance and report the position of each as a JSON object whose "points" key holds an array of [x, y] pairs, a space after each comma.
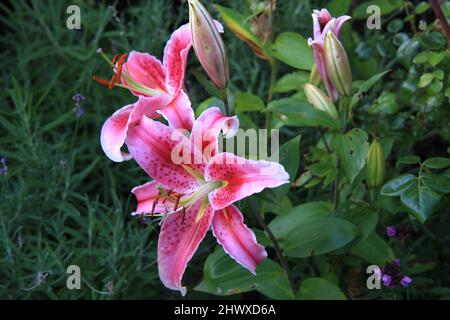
{"points": [[320, 100], [314, 77], [337, 65], [208, 44], [376, 165]]}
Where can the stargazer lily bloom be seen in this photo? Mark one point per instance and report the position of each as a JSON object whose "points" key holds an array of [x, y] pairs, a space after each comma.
{"points": [[159, 87], [323, 23], [198, 192]]}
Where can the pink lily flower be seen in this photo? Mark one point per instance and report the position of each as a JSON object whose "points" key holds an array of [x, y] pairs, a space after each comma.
{"points": [[159, 87], [323, 23], [198, 193]]}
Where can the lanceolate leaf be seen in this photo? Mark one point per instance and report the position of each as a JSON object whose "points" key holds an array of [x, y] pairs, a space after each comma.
{"points": [[374, 250], [224, 276], [352, 149], [292, 49], [299, 113], [319, 236], [320, 289]]}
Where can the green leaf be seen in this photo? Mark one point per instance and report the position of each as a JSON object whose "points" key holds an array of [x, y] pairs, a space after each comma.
{"points": [[338, 7], [320, 289], [236, 22], [224, 276], [291, 81], [398, 185], [437, 163], [248, 102], [422, 57], [352, 149], [289, 157], [302, 114], [411, 159], [361, 215], [292, 49], [425, 80], [374, 250], [65, 118], [422, 7], [434, 58], [436, 182], [421, 201], [386, 6], [321, 235], [366, 86], [395, 25], [299, 216]]}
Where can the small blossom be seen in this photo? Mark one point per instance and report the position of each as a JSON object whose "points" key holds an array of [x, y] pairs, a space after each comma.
{"points": [[406, 281], [78, 98], [79, 111], [390, 231], [387, 279], [392, 277], [4, 168]]}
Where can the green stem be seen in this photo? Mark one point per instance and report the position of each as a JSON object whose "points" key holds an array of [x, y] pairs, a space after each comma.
{"points": [[276, 246], [224, 94], [273, 78]]}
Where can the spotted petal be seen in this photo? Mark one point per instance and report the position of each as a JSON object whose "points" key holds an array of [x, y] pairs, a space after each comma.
{"points": [[175, 57], [179, 238], [150, 201], [146, 70], [241, 178], [207, 128], [179, 112], [237, 239], [165, 154]]}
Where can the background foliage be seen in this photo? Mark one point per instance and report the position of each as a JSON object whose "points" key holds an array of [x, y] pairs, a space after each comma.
{"points": [[63, 202]]}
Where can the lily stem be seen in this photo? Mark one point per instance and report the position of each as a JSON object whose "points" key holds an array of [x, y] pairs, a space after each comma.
{"points": [[322, 135], [276, 246], [273, 78], [224, 94]]}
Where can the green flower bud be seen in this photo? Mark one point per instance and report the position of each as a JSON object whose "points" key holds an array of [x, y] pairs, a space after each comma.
{"points": [[320, 100], [337, 65], [208, 44], [376, 166]]}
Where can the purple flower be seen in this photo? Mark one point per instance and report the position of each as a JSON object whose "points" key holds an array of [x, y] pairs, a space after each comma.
{"points": [[4, 169], [406, 281], [79, 111], [387, 280], [78, 98], [390, 231], [392, 277]]}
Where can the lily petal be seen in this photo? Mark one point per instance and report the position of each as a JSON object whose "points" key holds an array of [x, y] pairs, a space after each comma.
{"points": [[207, 128], [237, 239], [179, 238], [241, 178], [114, 132], [149, 199], [150, 106], [179, 112], [146, 70], [338, 25], [175, 57], [165, 154]]}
